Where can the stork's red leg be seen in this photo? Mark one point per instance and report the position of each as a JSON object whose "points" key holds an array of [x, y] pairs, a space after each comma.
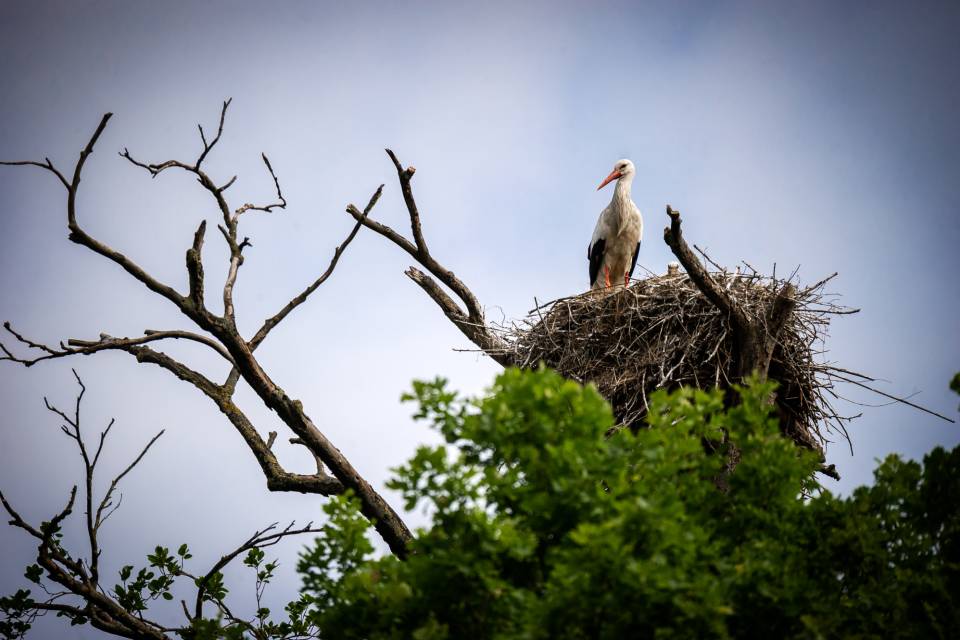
{"points": [[626, 279], [606, 275]]}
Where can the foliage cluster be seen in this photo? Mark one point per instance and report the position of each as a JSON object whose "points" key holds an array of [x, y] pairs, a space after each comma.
{"points": [[544, 528]]}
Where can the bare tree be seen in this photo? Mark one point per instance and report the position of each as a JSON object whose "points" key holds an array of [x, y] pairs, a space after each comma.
{"points": [[219, 333], [81, 595]]}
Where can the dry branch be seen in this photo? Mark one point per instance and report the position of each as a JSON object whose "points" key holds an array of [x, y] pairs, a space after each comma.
{"points": [[83, 597], [754, 337], [471, 321], [224, 338], [274, 320], [80, 578], [266, 537]]}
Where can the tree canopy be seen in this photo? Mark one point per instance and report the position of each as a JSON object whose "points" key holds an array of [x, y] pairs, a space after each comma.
{"points": [[543, 527]]}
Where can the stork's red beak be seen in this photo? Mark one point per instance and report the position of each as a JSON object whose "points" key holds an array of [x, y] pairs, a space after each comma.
{"points": [[610, 178]]}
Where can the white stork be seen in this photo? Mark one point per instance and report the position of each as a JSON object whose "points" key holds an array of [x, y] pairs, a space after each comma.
{"points": [[616, 239]]}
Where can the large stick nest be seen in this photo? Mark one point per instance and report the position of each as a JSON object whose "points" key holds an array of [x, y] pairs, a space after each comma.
{"points": [[662, 333]]}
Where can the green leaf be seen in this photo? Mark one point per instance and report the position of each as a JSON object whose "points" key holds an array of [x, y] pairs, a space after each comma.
{"points": [[254, 557], [33, 573]]}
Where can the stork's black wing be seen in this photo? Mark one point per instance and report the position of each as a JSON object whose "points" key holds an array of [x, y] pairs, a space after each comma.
{"points": [[595, 255], [633, 265]]}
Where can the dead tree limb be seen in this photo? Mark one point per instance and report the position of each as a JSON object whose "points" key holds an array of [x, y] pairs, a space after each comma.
{"points": [[469, 317], [82, 596], [80, 577], [266, 537], [754, 340], [220, 333], [274, 320]]}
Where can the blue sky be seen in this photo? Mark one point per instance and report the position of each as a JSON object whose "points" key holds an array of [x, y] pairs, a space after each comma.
{"points": [[819, 135]]}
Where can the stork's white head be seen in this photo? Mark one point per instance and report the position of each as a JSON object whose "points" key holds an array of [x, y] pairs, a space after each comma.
{"points": [[621, 169]]}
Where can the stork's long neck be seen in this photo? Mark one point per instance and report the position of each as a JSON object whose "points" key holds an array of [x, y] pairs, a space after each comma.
{"points": [[621, 201]]}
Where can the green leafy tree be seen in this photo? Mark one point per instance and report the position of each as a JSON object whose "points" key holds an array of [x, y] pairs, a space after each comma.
{"points": [[543, 527]]}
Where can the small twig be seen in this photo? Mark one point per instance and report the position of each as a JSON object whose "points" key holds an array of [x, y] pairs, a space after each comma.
{"points": [[113, 484], [405, 175], [320, 469], [274, 320], [46, 164], [280, 204], [894, 398], [16, 520], [258, 540], [208, 147]]}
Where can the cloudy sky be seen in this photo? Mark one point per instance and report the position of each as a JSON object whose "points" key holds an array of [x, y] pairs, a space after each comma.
{"points": [[818, 135]]}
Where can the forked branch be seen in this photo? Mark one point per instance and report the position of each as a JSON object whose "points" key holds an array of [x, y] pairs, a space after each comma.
{"points": [[266, 537], [80, 579], [224, 337], [76, 346], [80, 594], [281, 202], [469, 317], [274, 320], [754, 340]]}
